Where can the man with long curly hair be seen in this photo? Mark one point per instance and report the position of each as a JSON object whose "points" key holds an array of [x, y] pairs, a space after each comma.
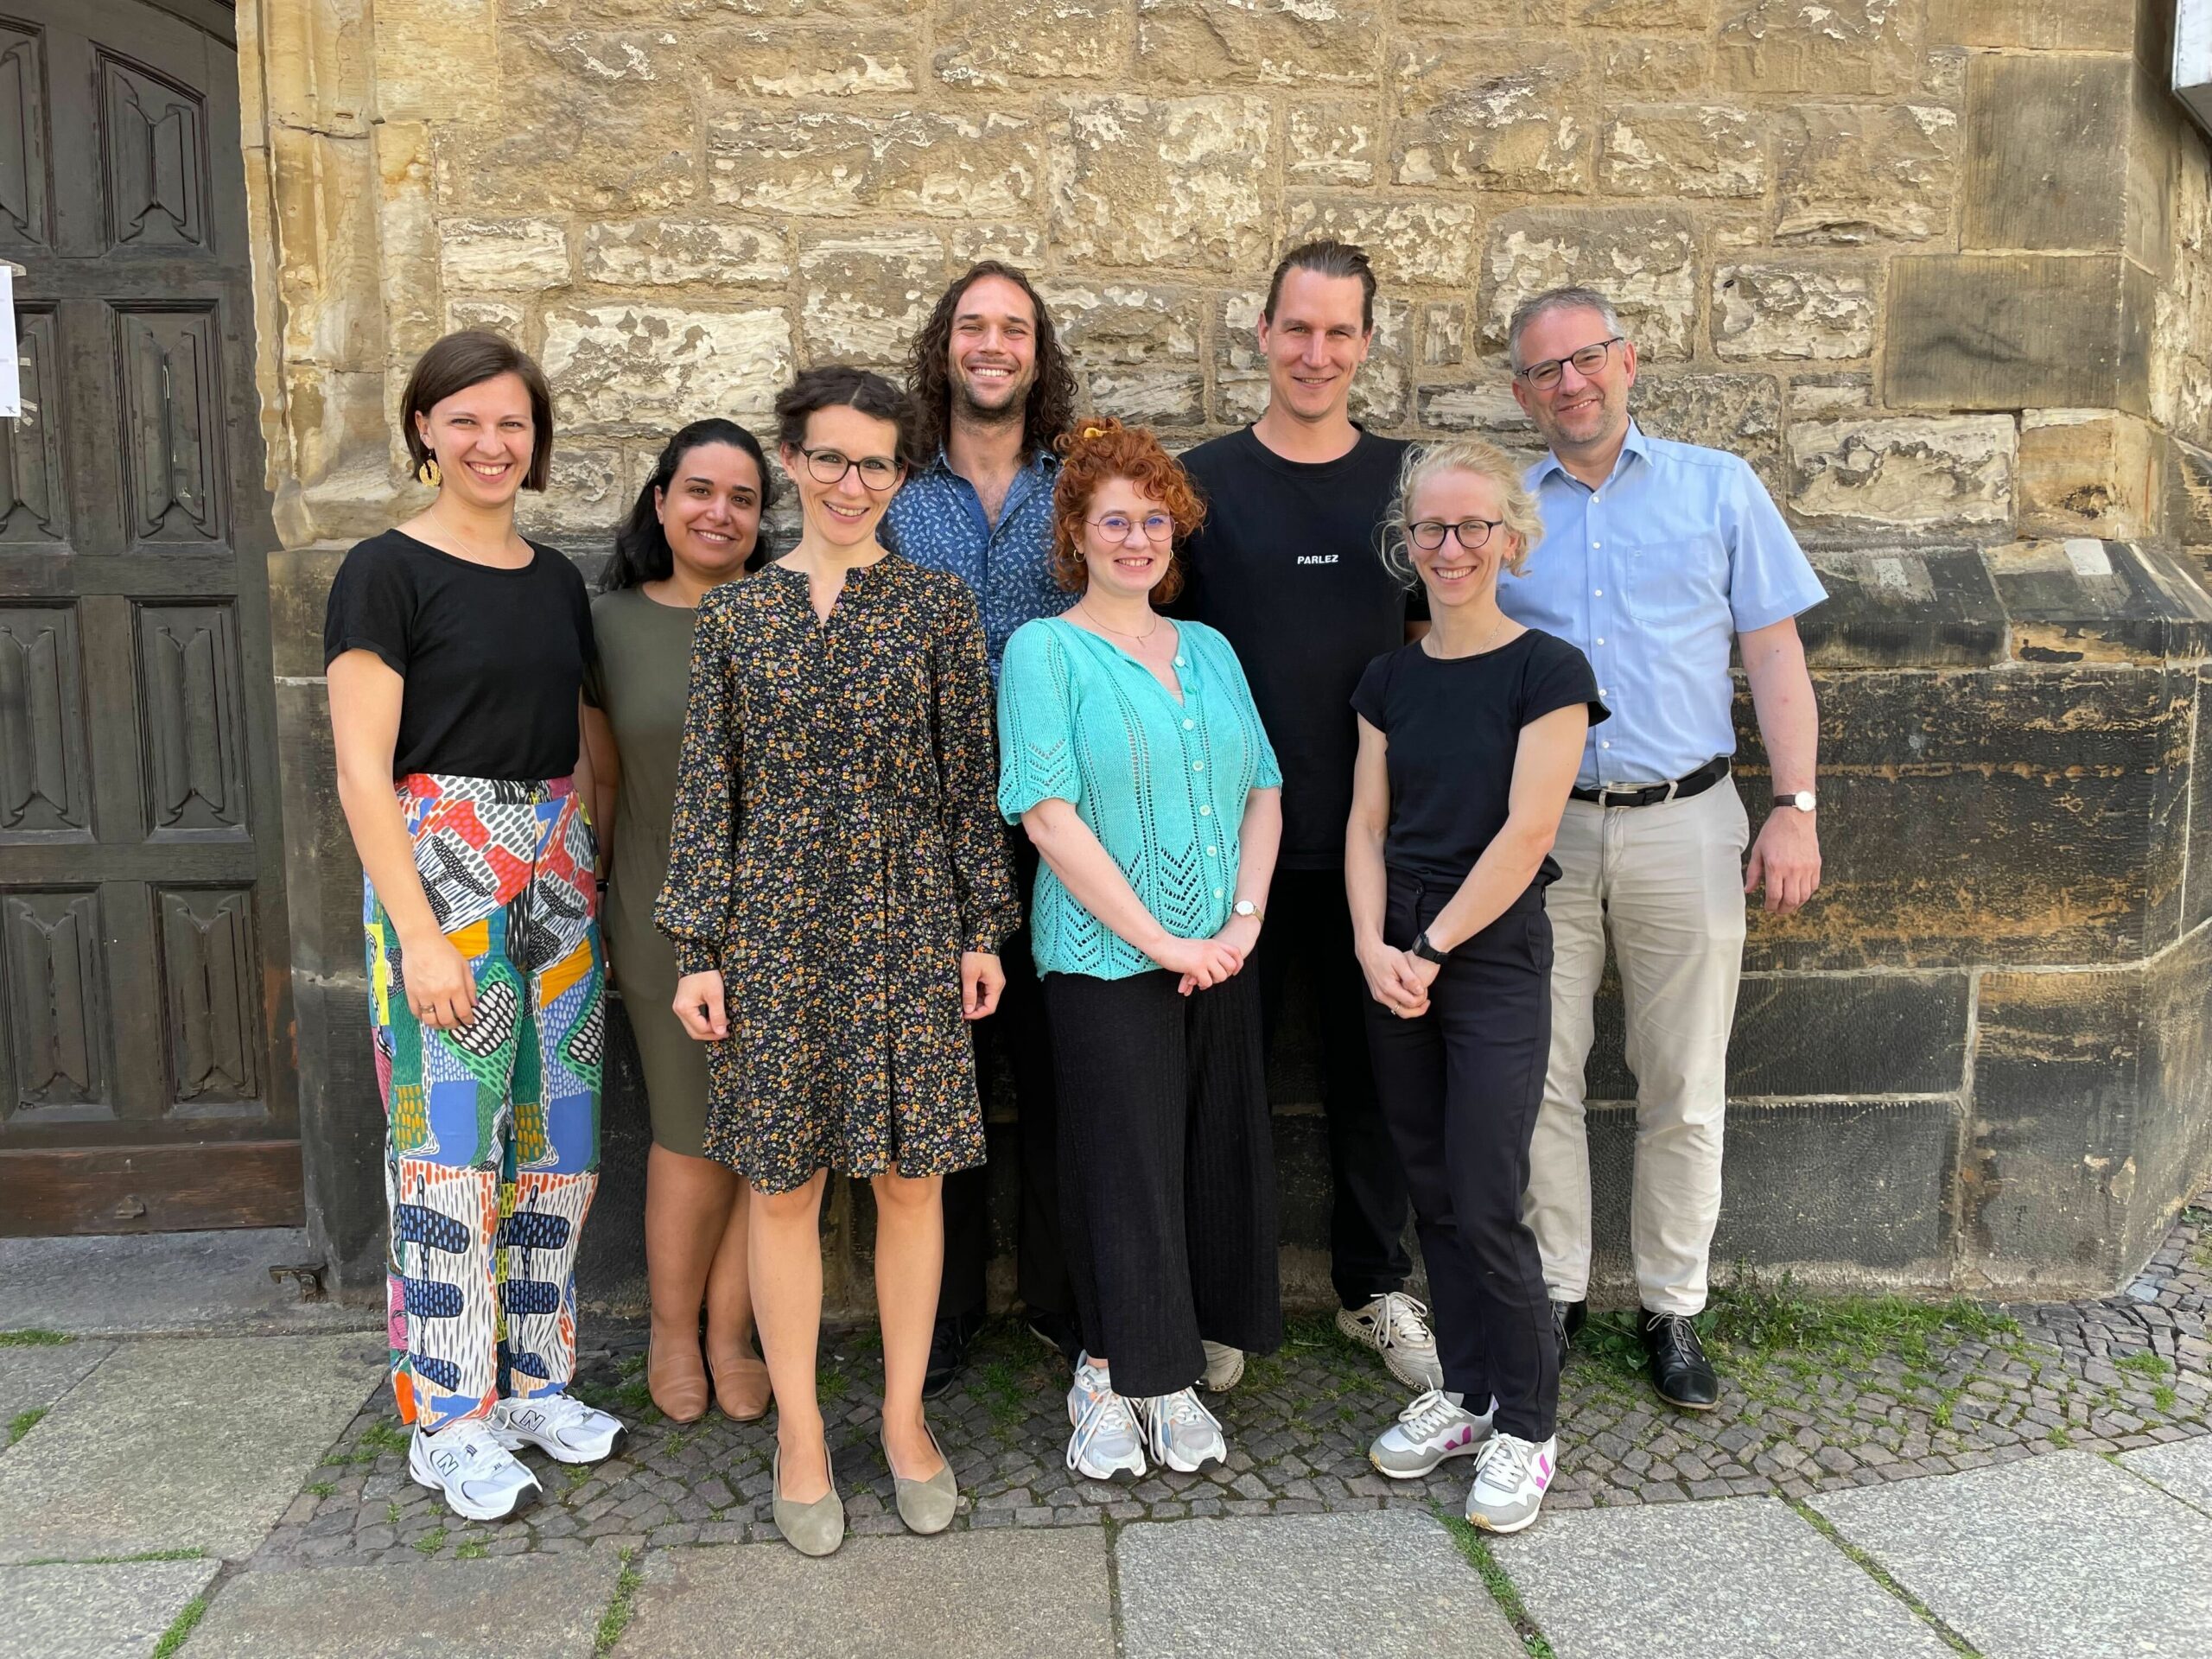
{"points": [[993, 388]]}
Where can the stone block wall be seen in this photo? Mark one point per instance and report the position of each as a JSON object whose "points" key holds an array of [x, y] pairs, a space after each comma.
{"points": [[1937, 267]]}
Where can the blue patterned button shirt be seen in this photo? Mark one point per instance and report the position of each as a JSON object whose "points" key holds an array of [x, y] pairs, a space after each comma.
{"points": [[1651, 576], [937, 520]]}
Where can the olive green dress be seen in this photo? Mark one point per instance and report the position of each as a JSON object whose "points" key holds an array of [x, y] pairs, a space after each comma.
{"points": [[641, 681]]}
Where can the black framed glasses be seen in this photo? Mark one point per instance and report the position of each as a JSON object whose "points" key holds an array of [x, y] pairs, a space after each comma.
{"points": [[878, 473], [1157, 526], [1587, 360], [1428, 534]]}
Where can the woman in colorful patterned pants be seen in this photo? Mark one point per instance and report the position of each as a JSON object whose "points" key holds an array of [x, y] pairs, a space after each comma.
{"points": [[456, 653]]}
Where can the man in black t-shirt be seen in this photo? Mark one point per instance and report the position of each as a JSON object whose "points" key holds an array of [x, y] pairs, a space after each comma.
{"points": [[1287, 566]]}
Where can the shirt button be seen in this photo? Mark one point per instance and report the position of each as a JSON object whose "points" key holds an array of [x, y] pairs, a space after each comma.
{"points": [[1599, 591], [1603, 691], [1605, 745], [1601, 639], [1595, 545]]}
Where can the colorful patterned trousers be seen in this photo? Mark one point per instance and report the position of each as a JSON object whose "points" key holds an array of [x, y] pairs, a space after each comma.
{"points": [[491, 1149]]}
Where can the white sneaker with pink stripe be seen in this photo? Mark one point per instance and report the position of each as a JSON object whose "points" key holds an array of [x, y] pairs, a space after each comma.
{"points": [[1427, 1431], [1512, 1476]]}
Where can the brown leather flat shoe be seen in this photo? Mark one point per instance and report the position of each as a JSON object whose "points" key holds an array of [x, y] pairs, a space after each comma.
{"points": [[678, 1389], [742, 1386]]}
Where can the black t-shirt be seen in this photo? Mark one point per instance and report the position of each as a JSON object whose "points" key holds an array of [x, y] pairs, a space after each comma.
{"points": [[1288, 566], [493, 660], [1454, 726]]}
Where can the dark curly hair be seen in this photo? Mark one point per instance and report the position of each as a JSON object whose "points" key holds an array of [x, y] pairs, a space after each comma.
{"points": [[1099, 450], [1050, 403], [641, 550]]}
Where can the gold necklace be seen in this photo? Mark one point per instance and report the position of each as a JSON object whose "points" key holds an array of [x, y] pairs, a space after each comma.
{"points": [[1487, 639], [1139, 638]]}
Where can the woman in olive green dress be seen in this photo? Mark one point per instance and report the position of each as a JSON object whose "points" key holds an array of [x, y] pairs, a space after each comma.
{"points": [[696, 524]]}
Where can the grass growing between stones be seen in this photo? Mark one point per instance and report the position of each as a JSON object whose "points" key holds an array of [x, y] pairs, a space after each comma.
{"points": [[34, 1338], [1874, 1570], [616, 1618], [180, 1627], [377, 1439], [1475, 1548], [23, 1422]]}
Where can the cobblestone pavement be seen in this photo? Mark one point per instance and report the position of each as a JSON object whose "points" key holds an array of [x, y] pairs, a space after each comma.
{"points": [[1817, 1395]]}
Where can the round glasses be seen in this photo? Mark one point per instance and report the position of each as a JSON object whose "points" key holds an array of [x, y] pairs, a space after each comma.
{"points": [[1157, 526], [1428, 534], [878, 473]]}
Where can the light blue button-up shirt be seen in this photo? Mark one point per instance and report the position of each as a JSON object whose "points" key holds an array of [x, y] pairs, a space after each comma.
{"points": [[1650, 575], [937, 521]]}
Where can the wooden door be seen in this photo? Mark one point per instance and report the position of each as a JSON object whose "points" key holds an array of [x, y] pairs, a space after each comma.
{"points": [[145, 1077]]}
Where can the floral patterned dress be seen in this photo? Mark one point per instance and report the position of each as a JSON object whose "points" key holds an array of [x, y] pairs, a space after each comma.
{"points": [[836, 847]]}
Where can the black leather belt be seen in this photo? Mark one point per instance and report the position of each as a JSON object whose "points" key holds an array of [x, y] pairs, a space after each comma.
{"points": [[1689, 783]]}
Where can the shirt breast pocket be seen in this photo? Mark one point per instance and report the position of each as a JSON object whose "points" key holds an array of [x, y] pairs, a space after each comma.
{"points": [[1671, 580]]}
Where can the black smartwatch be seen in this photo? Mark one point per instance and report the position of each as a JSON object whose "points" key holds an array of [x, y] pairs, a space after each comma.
{"points": [[1427, 952]]}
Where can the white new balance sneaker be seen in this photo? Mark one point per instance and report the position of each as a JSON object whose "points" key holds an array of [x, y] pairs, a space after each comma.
{"points": [[559, 1425], [1106, 1441], [1428, 1431], [1396, 1327], [1512, 1476], [1180, 1433], [480, 1479]]}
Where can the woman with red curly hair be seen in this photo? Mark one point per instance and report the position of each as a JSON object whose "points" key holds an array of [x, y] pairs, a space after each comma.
{"points": [[1131, 753]]}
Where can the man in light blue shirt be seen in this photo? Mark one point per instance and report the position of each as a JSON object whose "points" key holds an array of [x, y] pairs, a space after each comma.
{"points": [[1656, 558]]}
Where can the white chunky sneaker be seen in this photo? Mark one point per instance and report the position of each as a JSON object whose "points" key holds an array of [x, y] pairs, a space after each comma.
{"points": [[1428, 1431], [1512, 1476], [1396, 1327], [1225, 1366], [559, 1425], [480, 1479], [1106, 1441], [1180, 1433]]}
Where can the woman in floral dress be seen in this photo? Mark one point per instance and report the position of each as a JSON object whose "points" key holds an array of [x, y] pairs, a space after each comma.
{"points": [[837, 891]]}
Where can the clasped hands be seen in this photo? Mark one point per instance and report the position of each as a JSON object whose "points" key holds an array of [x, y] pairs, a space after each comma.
{"points": [[1398, 979], [1204, 963]]}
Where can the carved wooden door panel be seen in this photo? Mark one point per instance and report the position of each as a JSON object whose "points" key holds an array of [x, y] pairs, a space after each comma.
{"points": [[145, 1072]]}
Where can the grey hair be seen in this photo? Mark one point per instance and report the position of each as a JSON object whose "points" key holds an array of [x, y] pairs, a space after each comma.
{"points": [[1517, 507], [1556, 299]]}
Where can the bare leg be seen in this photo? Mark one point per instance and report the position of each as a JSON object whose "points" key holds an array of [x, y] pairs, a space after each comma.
{"points": [[909, 1262], [687, 1217], [785, 1239], [740, 1380]]}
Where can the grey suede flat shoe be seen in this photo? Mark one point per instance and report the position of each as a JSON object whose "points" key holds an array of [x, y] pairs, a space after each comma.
{"points": [[815, 1529], [926, 1506]]}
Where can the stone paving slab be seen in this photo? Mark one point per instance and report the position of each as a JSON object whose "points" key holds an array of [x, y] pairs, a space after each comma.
{"points": [[546, 1607], [114, 1610], [1740, 1575], [985, 1594], [2183, 1468], [182, 1444], [2063, 1557], [142, 1284], [32, 1379], [1380, 1585]]}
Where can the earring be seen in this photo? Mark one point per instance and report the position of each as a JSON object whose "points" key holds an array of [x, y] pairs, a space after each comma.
{"points": [[428, 473]]}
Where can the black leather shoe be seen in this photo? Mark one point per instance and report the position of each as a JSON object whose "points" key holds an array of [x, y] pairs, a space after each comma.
{"points": [[948, 1348], [1057, 1331], [1568, 1320], [1682, 1373]]}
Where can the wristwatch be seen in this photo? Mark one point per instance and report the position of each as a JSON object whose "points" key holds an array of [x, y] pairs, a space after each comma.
{"points": [[1804, 800], [1427, 952], [1246, 907]]}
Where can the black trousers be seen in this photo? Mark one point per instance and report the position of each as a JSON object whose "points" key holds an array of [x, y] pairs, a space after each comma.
{"points": [[1309, 921], [1461, 1085], [1167, 1174], [1020, 1029]]}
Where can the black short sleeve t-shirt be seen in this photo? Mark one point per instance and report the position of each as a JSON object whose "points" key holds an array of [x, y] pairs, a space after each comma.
{"points": [[1287, 565], [1454, 728], [493, 659]]}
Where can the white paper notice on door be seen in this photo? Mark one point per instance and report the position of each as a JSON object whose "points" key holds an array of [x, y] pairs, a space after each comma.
{"points": [[11, 386]]}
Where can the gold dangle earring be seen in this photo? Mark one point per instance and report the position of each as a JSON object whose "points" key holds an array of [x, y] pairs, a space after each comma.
{"points": [[428, 473]]}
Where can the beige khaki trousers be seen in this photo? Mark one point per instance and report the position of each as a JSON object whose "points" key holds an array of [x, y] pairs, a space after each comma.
{"points": [[1666, 882]]}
